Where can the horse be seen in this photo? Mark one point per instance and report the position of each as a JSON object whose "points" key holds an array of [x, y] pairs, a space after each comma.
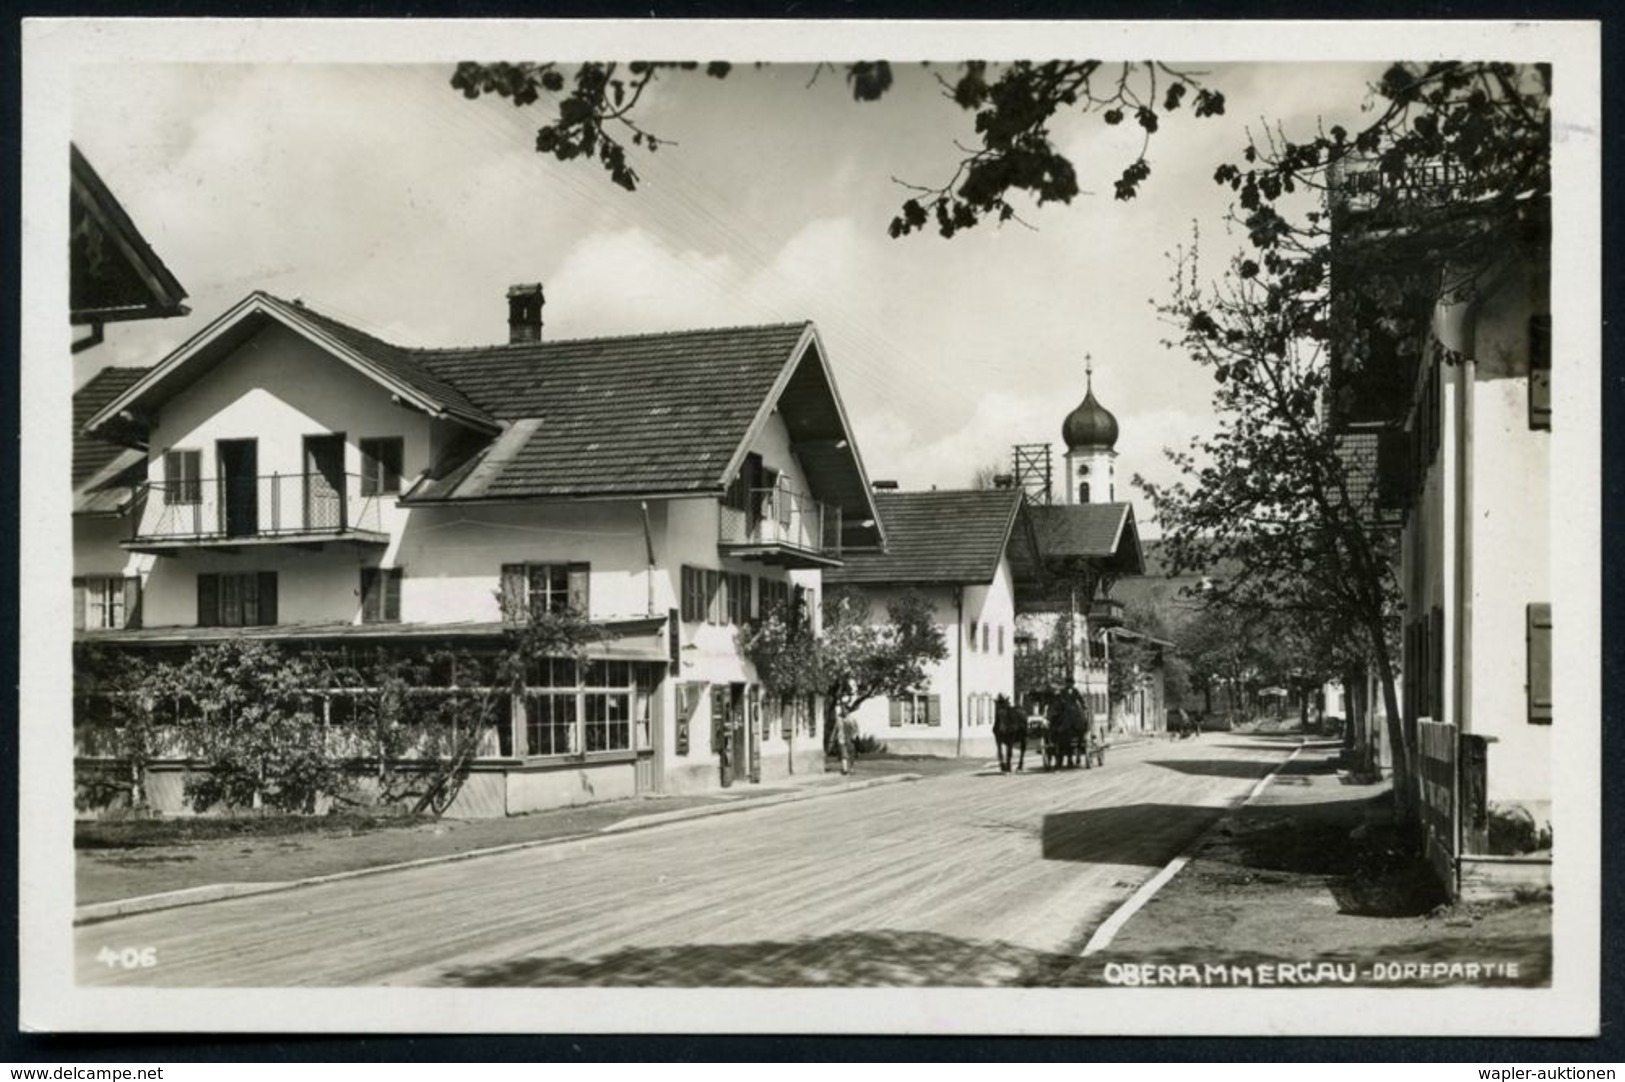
{"points": [[1010, 733]]}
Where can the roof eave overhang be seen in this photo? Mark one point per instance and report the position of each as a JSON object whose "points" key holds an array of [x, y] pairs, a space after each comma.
{"points": [[809, 338], [258, 303], [408, 500]]}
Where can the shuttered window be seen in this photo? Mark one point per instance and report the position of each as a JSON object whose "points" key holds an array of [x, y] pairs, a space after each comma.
{"points": [[380, 595], [246, 599], [528, 588], [916, 709], [693, 595], [106, 602], [1539, 619]]}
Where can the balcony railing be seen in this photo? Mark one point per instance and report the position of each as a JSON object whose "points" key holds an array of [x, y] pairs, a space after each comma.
{"points": [[779, 523], [280, 507], [1363, 184]]}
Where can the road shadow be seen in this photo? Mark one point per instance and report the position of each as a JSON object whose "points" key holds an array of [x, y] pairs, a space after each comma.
{"points": [[1217, 768], [856, 960], [1147, 834]]}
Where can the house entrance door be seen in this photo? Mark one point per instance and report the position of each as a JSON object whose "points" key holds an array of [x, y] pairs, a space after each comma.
{"points": [[324, 482], [238, 464]]}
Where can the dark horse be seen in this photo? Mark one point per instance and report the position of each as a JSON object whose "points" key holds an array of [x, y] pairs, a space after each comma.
{"points": [[1010, 732]]}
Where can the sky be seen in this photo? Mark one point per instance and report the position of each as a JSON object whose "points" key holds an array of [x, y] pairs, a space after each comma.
{"points": [[380, 195]]}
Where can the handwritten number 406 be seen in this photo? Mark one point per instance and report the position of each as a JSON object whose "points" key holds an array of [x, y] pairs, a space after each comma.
{"points": [[128, 957]]}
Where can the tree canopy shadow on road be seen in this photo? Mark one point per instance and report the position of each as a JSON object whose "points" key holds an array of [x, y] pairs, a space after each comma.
{"points": [[1218, 768], [1147, 834], [853, 960]]}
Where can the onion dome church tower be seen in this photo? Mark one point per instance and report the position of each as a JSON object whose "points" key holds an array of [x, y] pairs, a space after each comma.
{"points": [[1090, 432]]}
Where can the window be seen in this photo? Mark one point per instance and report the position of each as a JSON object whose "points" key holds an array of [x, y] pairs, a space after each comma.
{"points": [[716, 601], [1539, 637], [528, 588], [1083, 492], [381, 466], [183, 477], [1001, 639], [245, 599], [772, 594], [916, 709], [970, 639], [696, 605], [739, 598], [380, 595], [984, 638], [588, 707], [106, 602]]}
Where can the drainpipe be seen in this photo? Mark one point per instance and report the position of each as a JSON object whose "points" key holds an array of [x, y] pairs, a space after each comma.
{"points": [[649, 550], [959, 674]]}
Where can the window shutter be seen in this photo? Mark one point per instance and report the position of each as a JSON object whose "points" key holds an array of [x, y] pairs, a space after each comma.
{"points": [[132, 601], [691, 607], [896, 713], [369, 595], [1436, 662], [208, 600], [514, 597], [78, 604], [394, 450], [713, 597], [747, 598], [268, 597], [1539, 618], [392, 594], [579, 576], [933, 709]]}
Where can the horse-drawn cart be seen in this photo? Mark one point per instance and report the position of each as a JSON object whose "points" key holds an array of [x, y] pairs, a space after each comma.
{"points": [[1062, 736]]}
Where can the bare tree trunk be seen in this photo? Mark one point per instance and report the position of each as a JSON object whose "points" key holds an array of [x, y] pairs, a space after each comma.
{"points": [[1399, 748]]}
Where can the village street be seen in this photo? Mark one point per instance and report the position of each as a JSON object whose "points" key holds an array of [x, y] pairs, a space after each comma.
{"points": [[968, 879]]}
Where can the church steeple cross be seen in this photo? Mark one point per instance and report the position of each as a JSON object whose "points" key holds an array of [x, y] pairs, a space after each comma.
{"points": [[1088, 372]]}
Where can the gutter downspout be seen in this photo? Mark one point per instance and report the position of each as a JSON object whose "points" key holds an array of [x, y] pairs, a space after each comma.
{"points": [[649, 550], [959, 674], [1467, 377]]}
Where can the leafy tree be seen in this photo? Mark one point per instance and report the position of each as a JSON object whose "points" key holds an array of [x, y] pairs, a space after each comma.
{"points": [[126, 716], [853, 660], [1014, 106], [259, 729]]}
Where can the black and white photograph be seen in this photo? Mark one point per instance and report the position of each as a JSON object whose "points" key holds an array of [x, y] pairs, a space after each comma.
{"points": [[1101, 538]]}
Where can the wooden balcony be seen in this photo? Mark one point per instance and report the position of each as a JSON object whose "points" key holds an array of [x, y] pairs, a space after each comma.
{"points": [[1104, 612], [310, 509], [781, 527]]}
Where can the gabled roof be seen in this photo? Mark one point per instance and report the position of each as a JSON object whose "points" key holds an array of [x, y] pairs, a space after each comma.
{"points": [[113, 272], [654, 414], [939, 537], [393, 368], [633, 414], [1103, 532]]}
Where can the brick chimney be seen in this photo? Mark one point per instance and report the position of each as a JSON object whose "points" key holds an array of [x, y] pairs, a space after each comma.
{"points": [[525, 313]]}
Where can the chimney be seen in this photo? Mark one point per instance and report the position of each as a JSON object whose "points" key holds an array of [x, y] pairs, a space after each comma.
{"points": [[883, 486], [525, 313]]}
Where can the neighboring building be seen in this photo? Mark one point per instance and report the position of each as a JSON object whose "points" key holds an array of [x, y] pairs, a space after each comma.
{"points": [[113, 273], [1088, 540], [1467, 457], [308, 483], [965, 552]]}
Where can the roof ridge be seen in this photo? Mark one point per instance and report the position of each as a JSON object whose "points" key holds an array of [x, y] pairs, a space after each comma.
{"points": [[521, 346]]}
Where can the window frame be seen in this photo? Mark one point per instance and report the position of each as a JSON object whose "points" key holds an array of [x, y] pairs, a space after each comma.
{"points": [[231, 588], [576, 590], [183, 487], [379, 475], [383, 596]]}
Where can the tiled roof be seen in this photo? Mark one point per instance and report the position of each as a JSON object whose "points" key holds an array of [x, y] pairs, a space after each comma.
{"points": [[90, 454], [1091, 529], [643, 413], [396, 361], [935, 537]]}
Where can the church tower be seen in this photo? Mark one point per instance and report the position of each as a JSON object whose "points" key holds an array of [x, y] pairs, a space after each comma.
{"points": [[1090, 432]]}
